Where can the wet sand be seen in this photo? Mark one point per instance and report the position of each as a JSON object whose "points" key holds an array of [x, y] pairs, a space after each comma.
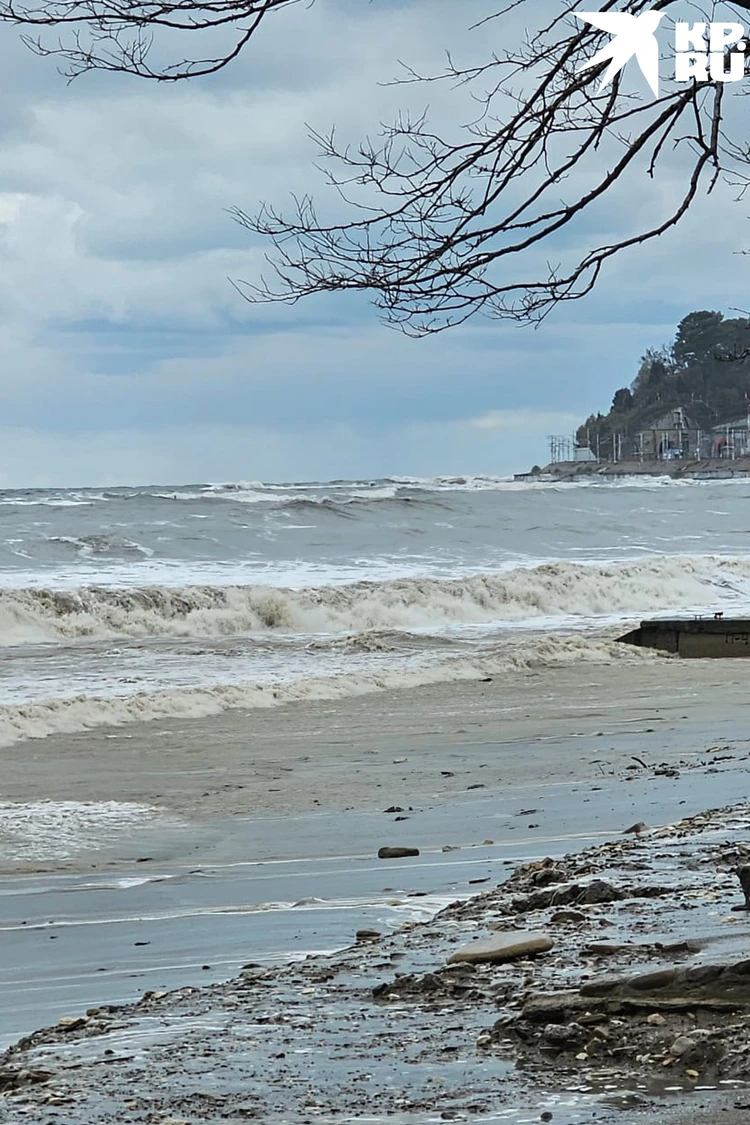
{"points": [[389, 1030], [425, 747], [244, 797]]}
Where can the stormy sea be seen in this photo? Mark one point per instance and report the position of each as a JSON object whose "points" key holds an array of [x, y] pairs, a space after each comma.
{"points": [[125, 604], [287, 770]]}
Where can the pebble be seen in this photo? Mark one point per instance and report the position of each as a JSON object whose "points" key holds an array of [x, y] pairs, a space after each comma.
{"points": [[397, 853], [681, 1045]]}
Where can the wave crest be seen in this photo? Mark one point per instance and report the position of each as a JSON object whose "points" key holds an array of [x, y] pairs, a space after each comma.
{"points": [[593, 591]]}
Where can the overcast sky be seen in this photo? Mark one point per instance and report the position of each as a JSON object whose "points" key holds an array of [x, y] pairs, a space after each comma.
{"points": [[128, 357]]}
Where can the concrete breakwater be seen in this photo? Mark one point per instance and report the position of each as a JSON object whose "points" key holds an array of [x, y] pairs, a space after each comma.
{"points": [[724, 469], [694, 637]]}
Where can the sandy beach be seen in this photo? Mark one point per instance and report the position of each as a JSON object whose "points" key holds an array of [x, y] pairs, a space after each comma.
{"points": [[252, 807], [433, 745]]}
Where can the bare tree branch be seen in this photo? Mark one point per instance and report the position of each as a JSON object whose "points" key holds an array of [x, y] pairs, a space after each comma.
{"points": [[120, 35], [439, 227]]}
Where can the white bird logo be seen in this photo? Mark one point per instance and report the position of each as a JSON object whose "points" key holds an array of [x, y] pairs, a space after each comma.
{"points": [[635, 35]]}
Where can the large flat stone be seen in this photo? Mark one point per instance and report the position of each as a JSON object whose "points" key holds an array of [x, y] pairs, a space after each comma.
{"points": [[712, 987], [503, 947]]}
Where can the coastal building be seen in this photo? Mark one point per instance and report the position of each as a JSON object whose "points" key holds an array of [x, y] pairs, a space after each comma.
{"points": [[677, 434], [730, 439]]}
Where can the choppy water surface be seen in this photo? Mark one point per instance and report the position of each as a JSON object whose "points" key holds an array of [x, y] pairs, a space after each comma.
{"points": [[131, 603]]}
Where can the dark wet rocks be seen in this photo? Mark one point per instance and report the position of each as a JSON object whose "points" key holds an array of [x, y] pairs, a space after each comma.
{"points": [[452, 982], [712, 986], [594, 892], [597, 891], [568, 918], [743, 874], [636, 949], [716, 987], [13, 1079], [397, 853], [693, 1018], [507, 946]]}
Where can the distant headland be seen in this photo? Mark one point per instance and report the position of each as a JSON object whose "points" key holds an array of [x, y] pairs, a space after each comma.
{"points": [[686, 413]]}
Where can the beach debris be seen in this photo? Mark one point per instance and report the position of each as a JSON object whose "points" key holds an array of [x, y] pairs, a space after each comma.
{"points": [[15, 1078], [568, 918], [681, 1045], [718, 987], [597, 891], [503, 946], [607, 948], [743, 874], [396, 853], [688, 1022], [451, 982]]}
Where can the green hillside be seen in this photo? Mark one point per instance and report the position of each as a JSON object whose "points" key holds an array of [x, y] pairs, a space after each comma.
{"points": [[706, 370]]}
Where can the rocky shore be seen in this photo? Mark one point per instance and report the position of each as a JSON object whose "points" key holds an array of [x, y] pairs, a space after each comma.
{"points": [[586, 988], [564, 471]]}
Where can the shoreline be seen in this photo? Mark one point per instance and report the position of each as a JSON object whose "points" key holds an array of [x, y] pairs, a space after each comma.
{"points": [[407, 1035], [528, 761], [567, 471], [427, 746]]}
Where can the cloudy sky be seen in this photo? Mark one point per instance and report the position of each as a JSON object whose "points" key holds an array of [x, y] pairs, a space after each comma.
{"points": [[127, 356]]}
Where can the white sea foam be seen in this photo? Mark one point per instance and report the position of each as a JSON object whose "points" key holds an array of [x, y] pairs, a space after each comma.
{"points": [[39, 830], [663, 584], [40, 719]]}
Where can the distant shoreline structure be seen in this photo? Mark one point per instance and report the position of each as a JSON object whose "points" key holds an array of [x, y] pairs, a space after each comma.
{"points": [[708, 469]]}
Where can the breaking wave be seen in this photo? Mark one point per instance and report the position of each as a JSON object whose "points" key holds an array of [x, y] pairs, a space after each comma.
{"points": [[82, 713], [660, 584]]}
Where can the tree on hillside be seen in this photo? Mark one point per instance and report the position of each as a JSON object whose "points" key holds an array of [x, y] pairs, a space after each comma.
{"points": [[697, 337], [438, 227], [691, 372], [623, 400]]}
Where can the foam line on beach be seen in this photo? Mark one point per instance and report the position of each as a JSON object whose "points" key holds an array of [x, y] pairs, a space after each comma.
{"points": [[81, 713]]}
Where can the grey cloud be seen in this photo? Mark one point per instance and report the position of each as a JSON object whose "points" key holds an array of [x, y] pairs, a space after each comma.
{"points": [[119, 328]]}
